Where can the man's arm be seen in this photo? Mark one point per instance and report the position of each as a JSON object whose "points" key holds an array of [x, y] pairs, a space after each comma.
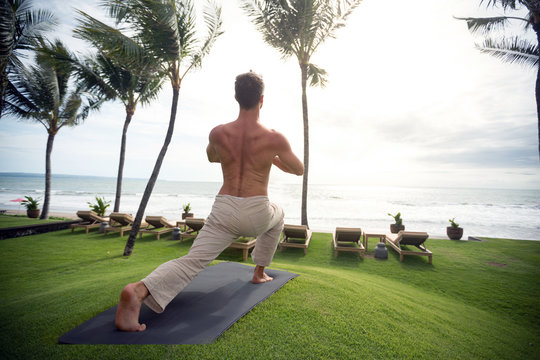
{"points": [[210, 150], [285, 159]]}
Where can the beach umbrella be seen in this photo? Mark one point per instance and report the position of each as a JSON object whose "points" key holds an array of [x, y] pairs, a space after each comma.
{"points": [[19, 200]]}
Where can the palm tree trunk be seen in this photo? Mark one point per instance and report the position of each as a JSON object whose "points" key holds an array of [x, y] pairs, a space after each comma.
{"points": [[537, 93], [536, 28], [129, 115], [45, 209], [304, 68], [152, 181]]}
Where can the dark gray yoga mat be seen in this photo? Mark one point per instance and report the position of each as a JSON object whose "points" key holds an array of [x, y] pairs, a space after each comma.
{"points": [[209, 305]]}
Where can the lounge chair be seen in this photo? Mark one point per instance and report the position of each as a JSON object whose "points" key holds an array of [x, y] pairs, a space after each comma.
{"points": [[396, 241], [295, 236], [121, 222], [90, 220], [348, 239], [193, 225], [158, 225], [245, 244]]}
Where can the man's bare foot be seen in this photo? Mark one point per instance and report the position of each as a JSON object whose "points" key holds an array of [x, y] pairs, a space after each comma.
{"points": [[129, 306], [259, 276]]}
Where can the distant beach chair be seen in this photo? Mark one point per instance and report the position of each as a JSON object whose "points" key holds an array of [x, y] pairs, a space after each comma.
{"points": [[194, 225], [158, 225], [295, 236], [245, 244], [121, 222], [409, 238], [348, 240], [90, 220]]}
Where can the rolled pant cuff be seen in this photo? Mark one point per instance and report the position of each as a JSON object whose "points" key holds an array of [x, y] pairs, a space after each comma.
{"points": [[152, 303]]}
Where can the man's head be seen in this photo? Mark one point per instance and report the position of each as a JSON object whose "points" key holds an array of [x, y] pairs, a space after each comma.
{"points": [[249, 88]]}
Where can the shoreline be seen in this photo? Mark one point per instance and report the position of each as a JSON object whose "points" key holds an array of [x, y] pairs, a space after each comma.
{"points": [[436, 236]]}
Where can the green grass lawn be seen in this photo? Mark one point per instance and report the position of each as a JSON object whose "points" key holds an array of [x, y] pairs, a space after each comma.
{"points": [[479, 300], [22, 220]]}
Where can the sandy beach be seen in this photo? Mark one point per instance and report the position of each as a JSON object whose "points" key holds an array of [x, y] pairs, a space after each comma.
{"points": [[53, 213]]}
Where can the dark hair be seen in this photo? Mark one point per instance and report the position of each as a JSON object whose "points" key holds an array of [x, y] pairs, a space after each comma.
{"points": [[249, 88]]}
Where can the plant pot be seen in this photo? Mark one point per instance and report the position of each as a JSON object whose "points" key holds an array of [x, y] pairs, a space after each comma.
{"points": [[395, 228], [454, 233], [186, 215], [34, 214]]}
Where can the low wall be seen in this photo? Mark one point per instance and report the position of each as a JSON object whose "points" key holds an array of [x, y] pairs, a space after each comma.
{"points": [[18, 231]]}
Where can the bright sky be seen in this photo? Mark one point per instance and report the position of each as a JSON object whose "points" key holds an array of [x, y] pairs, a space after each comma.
{"points": [[409, 101]]}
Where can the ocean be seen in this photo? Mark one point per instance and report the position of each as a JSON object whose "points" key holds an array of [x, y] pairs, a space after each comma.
{"points": [[504, 213]]}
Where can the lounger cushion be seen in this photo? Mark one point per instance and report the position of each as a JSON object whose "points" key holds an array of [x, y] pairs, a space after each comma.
{"points": [[295, 231], [411, 238], [348, 234]]}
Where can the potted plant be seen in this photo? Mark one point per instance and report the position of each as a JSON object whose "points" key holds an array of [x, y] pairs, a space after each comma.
{"points": [[32, 207], [395, 228], [186, 214], [100, 206], [453, 231]]}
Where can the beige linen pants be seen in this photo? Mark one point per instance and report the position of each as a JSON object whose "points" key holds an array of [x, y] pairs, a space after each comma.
{"points": [[230, 218]]}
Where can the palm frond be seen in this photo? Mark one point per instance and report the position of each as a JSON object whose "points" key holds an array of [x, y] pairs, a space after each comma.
{"points": [[16, 103], [485, 25], [41, 92], [512, 50], [298, 27], [107, 38], [271, 20], [31, 24], [69, 111], [214, 22], [505, 4], [317, 76]]}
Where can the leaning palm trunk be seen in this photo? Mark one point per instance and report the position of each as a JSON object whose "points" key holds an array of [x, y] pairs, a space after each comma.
{"points": [[536, 27], [46, 202], [152, 181], [537, 93], [303, 68], [129, 115]]}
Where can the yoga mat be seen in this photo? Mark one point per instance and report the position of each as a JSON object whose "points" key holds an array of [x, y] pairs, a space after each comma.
{"points": [[216, 298]]}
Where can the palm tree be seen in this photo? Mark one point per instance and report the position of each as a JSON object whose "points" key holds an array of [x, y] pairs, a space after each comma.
{"points": [[44, 94], [166, 30], [299, 27], [19, 28], [111, 78], [511, 49]]}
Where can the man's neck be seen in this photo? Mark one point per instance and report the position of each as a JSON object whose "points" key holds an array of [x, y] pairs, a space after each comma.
{"points": [[250, 115]]}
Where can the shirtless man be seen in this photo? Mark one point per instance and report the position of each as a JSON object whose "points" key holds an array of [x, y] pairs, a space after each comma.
{"points": [[246, 151]]}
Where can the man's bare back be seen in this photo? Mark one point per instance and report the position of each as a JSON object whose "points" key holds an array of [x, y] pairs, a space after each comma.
{"points": [[246, 150]]}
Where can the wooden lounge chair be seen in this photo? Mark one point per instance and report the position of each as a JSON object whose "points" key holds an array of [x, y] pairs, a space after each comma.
{"points": [[121, 222], [245, 244], [158, 225], [193, 225], [396, 241], [296, 236], [90, 220], [348, 239]]}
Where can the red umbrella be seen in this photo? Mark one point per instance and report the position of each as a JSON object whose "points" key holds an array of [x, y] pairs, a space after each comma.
{"points": [[19, 200]]}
